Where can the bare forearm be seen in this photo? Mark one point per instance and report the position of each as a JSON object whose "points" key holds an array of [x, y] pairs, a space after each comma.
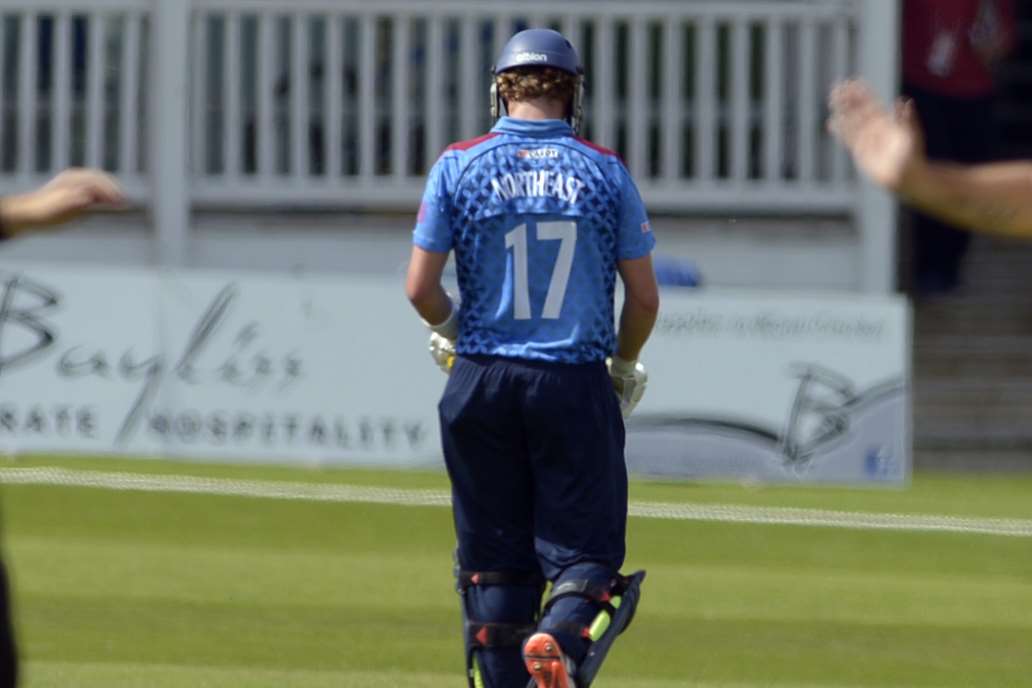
{"points": [[12, 221], [433, 305], [423, 286], [636, 323], [640, 306], [994, 198]]}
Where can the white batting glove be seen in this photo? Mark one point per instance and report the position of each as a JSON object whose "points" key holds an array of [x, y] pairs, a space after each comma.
{"points": [[442, 339], [442, 350], [629, 382]]}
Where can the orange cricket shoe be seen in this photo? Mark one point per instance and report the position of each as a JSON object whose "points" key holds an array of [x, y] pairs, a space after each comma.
{"points": [[546, 662]]}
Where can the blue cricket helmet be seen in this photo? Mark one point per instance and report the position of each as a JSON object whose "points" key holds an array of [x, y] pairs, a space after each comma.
{"points": [[540, 48]]}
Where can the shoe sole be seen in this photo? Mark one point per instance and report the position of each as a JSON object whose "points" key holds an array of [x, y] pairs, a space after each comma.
{"points": [[544, 662]]}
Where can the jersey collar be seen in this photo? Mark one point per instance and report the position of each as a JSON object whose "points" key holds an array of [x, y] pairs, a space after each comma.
{"points": [[532, 127]]}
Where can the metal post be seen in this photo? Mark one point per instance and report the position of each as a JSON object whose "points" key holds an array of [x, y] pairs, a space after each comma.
{"points": [[877, 211], [169, 173]]}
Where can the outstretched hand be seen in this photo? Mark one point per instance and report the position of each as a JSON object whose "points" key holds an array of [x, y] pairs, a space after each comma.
{"points": [[63, 198], [888, 146]]}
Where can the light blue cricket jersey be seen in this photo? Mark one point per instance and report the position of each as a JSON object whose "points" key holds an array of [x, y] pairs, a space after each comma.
{"points": [[538, 219]]}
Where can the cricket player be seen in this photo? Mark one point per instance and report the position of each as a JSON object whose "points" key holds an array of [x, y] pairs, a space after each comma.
{"points": [[888, 147], [541, 222], [63, 199]]}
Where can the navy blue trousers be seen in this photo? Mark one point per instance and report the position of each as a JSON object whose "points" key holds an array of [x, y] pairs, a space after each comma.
{"points": [[8, 654], [535, 453]]}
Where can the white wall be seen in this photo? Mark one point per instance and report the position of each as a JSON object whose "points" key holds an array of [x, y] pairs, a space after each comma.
{"points": [[735, 252]]}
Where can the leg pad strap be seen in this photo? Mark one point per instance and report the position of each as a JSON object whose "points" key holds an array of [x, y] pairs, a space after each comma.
{"points": [[497, 634], [600, 594], [465, 579]]}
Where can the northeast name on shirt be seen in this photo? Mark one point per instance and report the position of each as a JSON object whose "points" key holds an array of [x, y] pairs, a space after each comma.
{"points": [[537, 183]]}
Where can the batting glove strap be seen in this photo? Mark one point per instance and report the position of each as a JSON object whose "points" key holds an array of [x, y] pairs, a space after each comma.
{"points": [[618, 367]]}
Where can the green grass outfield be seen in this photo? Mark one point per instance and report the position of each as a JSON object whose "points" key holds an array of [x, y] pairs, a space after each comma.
{"points": [[153, 589]]}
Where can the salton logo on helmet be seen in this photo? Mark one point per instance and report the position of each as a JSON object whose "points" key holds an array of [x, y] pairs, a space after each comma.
{"points": [[531, 57]]}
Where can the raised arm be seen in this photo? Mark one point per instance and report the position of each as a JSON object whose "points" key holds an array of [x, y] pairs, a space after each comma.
{"points": [[888, 147]]}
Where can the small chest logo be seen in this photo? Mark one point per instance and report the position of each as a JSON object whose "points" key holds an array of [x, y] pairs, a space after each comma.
{"points": [[537, 154]]}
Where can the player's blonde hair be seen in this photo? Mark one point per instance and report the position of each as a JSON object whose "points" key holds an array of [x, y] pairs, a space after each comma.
{"points": [[528, 83]]}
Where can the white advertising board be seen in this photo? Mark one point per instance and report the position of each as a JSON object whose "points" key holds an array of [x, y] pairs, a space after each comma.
{"points": [[251, 367], [223, 366], [776, 387]]}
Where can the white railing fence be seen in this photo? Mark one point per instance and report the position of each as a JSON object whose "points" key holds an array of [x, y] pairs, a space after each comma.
{"points": [[72, 91], [703, 99], [715, 105]]}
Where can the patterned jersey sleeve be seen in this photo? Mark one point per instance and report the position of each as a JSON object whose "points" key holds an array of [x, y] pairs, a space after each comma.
{"points": [[433, 225], [635, 239]]}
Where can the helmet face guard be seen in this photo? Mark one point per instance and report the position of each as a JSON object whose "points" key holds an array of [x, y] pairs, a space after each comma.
{"points": [[540, 48]]}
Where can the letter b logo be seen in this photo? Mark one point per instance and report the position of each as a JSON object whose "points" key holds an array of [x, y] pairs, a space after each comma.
{"points": [[23, 332]]}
